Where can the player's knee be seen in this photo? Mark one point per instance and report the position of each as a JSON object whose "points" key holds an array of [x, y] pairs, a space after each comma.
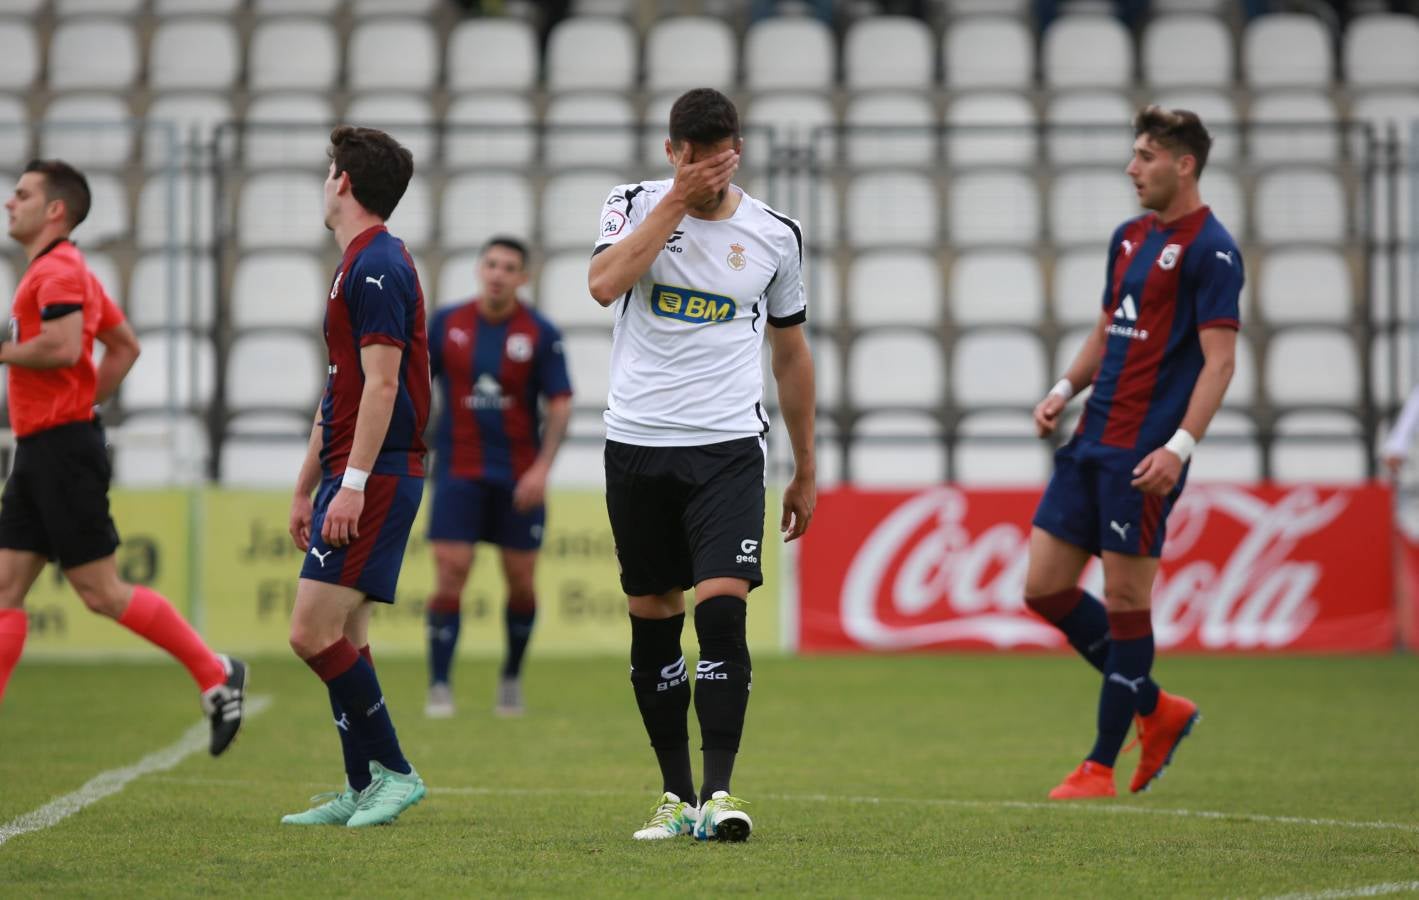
{"points": [[1125, 598], [306, 642], [106, 600]]}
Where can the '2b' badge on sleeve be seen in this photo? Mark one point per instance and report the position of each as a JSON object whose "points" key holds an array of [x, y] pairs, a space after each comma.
{"points": [[612, 223]]}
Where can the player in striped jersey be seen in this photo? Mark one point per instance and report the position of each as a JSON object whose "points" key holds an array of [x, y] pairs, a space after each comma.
{"points": [[1159, 360]]}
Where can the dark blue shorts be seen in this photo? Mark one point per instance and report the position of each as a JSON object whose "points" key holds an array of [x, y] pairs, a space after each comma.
{"points": [[371, 562], [472, 511], [1091, 503]]}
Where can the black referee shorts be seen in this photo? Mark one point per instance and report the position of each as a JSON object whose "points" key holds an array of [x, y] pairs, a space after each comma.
{"points": [[56, 500], [681, 515]]}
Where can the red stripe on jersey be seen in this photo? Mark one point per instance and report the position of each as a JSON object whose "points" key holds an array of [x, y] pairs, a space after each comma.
{"points": [[519, 419], [379, 499], [1148, 528], [460, 338], [1157, 309]]}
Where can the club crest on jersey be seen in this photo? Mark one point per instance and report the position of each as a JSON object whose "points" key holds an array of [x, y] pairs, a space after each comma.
{"points": [[737, 261], [519, 348], [689, 305], [612, 223], [1169, 257], [335, 288]]}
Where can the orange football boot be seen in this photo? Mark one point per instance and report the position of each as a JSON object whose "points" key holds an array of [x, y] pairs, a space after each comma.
{"points": [[1160, 733], [1087, 782]]}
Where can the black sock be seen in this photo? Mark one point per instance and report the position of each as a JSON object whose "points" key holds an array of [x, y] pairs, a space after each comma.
{"points": [[1082, 618], [518, 624], [662, 686], [722, 682]]}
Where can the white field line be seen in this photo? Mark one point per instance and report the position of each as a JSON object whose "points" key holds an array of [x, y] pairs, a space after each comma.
{"points": [[1369, 890], [1115, 808], [107, 783]]}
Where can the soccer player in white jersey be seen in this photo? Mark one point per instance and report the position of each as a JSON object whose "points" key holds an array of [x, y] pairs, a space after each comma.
{"points": [[698, 273]]}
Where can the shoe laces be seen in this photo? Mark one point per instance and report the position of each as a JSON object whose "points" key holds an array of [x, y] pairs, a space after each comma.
{"points": [[325, 797], [664, 812], [1138, 736], [727, 802]]}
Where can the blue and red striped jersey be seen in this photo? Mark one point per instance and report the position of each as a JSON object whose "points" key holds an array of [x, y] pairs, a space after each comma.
{"points": [[491, 377], [375, 299], [1166, 283]]}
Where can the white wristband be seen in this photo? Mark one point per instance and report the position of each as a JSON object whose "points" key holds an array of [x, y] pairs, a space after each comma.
{"points": [[1181, 444], [354, 478], [1062, 388]]}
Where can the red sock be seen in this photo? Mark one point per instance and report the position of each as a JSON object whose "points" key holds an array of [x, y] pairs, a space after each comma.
{"points": [[150, 616], [14, 624]]}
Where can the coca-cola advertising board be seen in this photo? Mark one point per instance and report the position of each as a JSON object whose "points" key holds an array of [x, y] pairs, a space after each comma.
{"points": [[1271, 568]]}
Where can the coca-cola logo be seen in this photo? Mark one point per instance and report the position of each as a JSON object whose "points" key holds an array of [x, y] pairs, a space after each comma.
{"points": [[922, 578]]}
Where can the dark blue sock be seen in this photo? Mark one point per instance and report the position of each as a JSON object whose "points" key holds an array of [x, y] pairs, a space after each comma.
{"points": [[352, 681], [444, 619], [1085, 624], [357, 766], [1125, 673], [518, 623]]}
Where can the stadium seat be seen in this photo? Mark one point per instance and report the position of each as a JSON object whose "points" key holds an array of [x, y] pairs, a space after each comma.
{"points": [[795, 118], [97, 7], [1077, 287], [1286, 50], [991, 128], [492, 54], [296, 7], [1241, 392], [19, 55], [684, 52], [253, 462], [184, 278], [1294, 379], [589, 365], [205, 7], [188, 119], [999, 449], [891, 130], [582, 129], [91, 131], [892, 209], [581, 461], [1229, 453], [1089, 127], [93, 53], [592, 53], [489, 130], [14, 130], [392, 7], [823, 285], [457, 279], [1300, 204], [1222, 193], [901, 368], [571, 207], [414, 218], [406, 116], [1087, 50], [1086, 205], [7, 278], [475, 207], [895, 287], [107, 271], [108, 218], [1183, 50], [994, 51], [888, 52], [994, 208], [1312, 286], [1381, 49], [1392, 376], [789, 54], [148, 386], [392, 53], [563, 295], [655, 127], [897, 450], [166, 211], [199, 53], [278, 289], [1385, 108], [996, 287], [275, 371], [155, 449], [291, 52], [287, 130], [827, 374], [1218, 111], [1315, 137], [281, 210], [978, 378], [1318, 447]]}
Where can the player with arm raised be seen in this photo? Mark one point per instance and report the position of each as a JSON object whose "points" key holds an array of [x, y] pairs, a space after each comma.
{"points": [[1159, 360], [698, 274]]}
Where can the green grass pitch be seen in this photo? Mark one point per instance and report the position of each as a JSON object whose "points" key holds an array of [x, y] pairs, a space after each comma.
{"points": [[868, 776]]}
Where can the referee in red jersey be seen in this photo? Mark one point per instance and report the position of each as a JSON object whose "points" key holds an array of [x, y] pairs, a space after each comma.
{"points": [[55, 503]]}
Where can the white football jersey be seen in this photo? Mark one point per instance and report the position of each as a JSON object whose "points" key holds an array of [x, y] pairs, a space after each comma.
{"points": [[686, 351]]}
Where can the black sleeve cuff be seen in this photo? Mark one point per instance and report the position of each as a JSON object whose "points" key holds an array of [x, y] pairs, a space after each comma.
{"points": [[600, 247], [789, 321], [59, 310]]}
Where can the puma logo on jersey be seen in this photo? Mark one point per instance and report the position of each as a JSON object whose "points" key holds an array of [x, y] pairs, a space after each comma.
{"points": [[1133, 684], [377, 282], [459, 336], [1127, 309], [1121, 529], [335, 288], [1127, 247], [1225, 256], [321, 556], [689, 305]]}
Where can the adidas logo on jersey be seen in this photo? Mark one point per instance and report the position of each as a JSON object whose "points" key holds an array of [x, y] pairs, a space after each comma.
{"points": [[696, 307], [1127, 312], [487, 394], [1127, 309]]}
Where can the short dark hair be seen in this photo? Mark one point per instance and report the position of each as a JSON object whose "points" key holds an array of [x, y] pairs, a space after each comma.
{"points": [[1179, 130], [703, 116], [512, 243], [64, 182], [379, 166]]}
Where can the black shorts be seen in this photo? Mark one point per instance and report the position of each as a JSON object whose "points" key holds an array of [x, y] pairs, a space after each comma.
{"points": [[681, 515], [56, 499]]}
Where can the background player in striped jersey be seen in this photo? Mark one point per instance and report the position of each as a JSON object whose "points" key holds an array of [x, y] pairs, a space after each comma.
{"points": [[494, 359], [366, 457], [55, 504], [700, 274], [1159, 360]]}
